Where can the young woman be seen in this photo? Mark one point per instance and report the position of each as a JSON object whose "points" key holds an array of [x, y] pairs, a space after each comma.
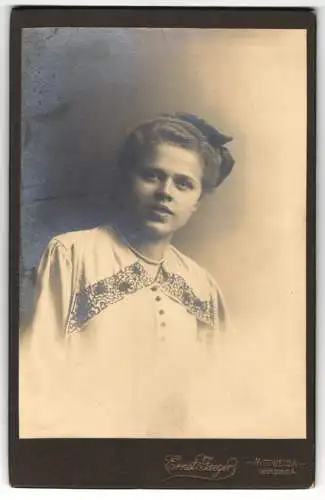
{"points": [[126, 329]]}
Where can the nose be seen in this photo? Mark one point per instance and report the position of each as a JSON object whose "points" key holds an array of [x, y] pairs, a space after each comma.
{"points": [[165, 190]]}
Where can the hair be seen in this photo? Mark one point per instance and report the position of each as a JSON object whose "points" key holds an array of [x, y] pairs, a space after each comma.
{"points": [[184, 130]]}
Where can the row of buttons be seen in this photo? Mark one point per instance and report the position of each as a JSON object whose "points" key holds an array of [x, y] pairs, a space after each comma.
{"points": [[161, 312]]}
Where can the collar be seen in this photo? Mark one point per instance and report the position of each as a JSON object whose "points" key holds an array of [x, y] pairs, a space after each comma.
{"points": [[174, 278]]}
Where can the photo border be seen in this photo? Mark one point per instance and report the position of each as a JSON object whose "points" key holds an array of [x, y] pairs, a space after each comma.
{"points": [[150, 462]]}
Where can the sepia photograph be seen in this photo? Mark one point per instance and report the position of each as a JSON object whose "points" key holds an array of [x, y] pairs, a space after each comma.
{"points": [[162, 252], [163, 170]]}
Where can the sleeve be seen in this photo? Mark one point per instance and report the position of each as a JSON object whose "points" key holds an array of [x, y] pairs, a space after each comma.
{"points": [[221, 387], [223, 335], [220, 312], [52, 292], [42, 350]]}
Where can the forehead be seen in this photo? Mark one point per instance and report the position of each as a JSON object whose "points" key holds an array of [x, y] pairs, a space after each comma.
{"points": [[175, 160]]}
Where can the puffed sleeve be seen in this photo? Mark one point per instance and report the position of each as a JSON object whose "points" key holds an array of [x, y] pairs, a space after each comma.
{"points": [[42, 351], [52, 292]]}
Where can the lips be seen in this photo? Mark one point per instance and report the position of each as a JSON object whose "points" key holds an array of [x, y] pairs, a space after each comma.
{"points": [[161, 209]]}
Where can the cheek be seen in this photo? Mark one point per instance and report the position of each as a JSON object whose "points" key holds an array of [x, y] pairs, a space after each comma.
{"points": [[140, 189], [189, 205], [192, 199]]}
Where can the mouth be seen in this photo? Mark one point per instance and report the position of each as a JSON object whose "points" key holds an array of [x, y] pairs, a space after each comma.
{"points": [[161, 209]]}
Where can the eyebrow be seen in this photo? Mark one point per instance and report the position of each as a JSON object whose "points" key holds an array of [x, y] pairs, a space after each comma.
{"points": [[177, 174], [185, 177]]}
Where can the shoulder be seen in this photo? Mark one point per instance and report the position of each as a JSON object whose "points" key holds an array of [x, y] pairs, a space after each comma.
{"points": [[75, 243], [91, 251], [200, 281], [190, 270], [85, 237]]}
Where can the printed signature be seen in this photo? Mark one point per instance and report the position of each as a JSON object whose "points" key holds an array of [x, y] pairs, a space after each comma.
{"points": [[201, 467]]}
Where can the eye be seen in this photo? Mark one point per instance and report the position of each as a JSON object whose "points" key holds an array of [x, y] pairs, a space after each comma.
{"points": [[184, 184], [149, 174]]}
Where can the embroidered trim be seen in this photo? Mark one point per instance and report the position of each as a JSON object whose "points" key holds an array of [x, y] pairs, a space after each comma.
{"points": [[93, 299], [177, 288]]}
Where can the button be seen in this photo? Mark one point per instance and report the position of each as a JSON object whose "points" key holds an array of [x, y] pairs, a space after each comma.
{"points": [[161, 311], [158, 298], [163, 324]]}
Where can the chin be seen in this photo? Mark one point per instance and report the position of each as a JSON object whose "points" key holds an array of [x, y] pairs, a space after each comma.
{"points": [[158, 229]]}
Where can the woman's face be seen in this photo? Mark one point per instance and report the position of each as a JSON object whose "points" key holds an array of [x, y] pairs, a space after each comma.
{"points": [[166, 189]]}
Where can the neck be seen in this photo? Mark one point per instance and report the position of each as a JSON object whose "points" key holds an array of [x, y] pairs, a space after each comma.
{"points": [[146, 243], [153, 250]]}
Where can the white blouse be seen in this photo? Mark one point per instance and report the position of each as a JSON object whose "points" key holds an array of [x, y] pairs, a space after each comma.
{"points": [[116, 348]]}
